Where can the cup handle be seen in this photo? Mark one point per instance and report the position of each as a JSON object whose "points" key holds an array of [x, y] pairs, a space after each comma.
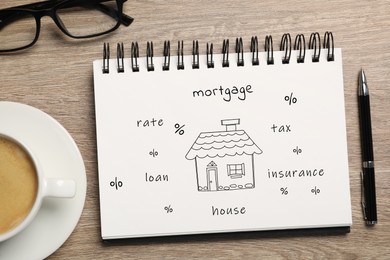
{"points": [[59, 188]]}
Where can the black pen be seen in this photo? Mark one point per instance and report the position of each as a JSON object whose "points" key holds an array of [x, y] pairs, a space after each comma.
{"points": [[368, 174]]}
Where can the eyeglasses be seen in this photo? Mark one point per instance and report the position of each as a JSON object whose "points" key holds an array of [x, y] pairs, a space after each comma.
{"points": [[20, 26]]}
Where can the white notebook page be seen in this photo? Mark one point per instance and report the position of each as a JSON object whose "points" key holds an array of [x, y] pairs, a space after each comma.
{"points": [[221, 149]]}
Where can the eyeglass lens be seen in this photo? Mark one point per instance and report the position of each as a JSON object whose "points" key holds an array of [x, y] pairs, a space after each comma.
{"points": [[88, 19], [18, 28]]}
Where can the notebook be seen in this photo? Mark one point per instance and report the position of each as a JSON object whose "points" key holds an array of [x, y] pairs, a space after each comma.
{"points": [[229, 138]]}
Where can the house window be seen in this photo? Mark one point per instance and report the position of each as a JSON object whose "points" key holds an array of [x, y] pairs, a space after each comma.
{"points": [[236, 170]]}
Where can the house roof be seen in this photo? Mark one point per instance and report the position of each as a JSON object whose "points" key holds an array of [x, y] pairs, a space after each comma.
{"points": [[222, 143]]}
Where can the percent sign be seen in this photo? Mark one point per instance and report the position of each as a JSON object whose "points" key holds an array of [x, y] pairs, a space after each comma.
{"points": [[153, 153], [117, 184], [284, 191], [297, 150], [315, 190], [291, 99], [179, 129], [168, 209]]}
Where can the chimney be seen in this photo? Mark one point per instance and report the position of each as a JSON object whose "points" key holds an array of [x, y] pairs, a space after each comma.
{"points": [[231, 124]]}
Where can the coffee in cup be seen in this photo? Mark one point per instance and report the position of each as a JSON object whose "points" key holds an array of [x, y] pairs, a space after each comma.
{"points": [[18, 184], [24, 185]]}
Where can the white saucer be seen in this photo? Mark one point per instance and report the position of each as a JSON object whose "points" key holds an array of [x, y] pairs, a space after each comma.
{"points": [[60, 158]]}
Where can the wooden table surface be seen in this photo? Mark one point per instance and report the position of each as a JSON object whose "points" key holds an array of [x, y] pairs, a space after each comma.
{"points": [[56, 76]]}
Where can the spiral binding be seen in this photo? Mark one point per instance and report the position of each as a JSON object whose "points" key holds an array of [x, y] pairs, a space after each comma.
{"points": [[120, 57], [269, 48], [195, 55], [209, 55], [329, 44], [180, 56], [106, 58], [315, 43], [240, 52], [285, 47], [255, 51], [225, 53], [167, 55], [134, 56], [300, 45], [149, 56]]}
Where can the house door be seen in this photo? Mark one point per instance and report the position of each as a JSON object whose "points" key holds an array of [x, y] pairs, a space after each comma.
{"points": [[212, 178]]}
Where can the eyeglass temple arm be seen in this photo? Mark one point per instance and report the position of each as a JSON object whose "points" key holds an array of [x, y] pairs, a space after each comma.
{"points": [[125, 19]]}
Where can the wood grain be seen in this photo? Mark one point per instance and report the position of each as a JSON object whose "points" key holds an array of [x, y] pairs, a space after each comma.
{"points": [[55, 76]]}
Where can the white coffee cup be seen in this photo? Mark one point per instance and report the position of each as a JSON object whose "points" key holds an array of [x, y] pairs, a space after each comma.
{"points": [[22, 192]]}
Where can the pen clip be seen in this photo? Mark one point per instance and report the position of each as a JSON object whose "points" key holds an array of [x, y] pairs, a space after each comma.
{"points": [[362, 196]]}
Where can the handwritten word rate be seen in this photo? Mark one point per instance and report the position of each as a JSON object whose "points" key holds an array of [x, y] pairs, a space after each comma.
{"points": [[150, 122]]}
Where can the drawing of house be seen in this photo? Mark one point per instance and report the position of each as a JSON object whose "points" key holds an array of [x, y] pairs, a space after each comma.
{"points": [[224, 160]]}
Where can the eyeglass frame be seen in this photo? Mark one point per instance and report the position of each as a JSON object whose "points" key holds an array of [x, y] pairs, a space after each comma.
{"points": [[50, 7]]}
